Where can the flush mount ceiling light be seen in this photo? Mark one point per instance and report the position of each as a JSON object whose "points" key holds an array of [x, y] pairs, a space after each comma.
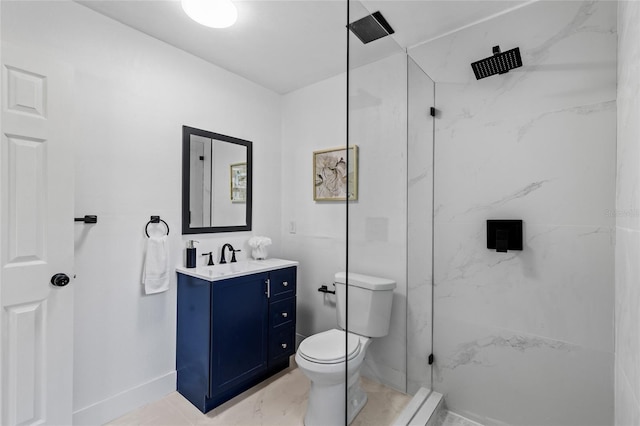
{"points": [[211, 13]]}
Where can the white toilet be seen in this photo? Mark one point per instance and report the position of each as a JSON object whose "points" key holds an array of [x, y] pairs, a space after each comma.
{"points": [[321, 357]]}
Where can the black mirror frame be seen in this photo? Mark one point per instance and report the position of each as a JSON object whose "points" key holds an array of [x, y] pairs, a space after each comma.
{"points": [[186, 140]]}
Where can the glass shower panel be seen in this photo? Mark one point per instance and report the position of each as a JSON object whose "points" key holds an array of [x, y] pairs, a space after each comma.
{"points": [[377, 243], [390, 218], [420, 185]]}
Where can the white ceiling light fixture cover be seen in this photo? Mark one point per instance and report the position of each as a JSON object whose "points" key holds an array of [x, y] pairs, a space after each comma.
{"points": [[211, 13]]}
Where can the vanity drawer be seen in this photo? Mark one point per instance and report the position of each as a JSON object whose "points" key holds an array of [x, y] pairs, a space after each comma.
{"points": [[282, 312], [283, 283], [282, 343]]}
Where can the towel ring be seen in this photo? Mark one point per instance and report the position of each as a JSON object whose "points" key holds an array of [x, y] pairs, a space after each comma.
{"points": [[155, 219]]}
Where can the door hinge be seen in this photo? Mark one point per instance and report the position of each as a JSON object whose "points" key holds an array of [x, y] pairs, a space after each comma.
{"points": [[432, 111], [430, 359]]}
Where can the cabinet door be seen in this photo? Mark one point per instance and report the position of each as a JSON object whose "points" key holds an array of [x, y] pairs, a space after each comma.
{"points": [[240, 331]]}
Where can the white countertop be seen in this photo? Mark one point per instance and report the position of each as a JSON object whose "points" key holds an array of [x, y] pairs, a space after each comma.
{"points": [[237, 269]]}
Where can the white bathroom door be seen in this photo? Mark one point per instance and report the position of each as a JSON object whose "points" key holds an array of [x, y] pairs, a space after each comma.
{"points": [[36, 240]]}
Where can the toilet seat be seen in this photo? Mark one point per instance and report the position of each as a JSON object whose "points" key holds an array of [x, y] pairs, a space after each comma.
{"points": [[328, 347]]}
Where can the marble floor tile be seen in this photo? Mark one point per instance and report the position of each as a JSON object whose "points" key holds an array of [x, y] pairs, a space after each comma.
{"points": [[383, 405], [278, 401]]}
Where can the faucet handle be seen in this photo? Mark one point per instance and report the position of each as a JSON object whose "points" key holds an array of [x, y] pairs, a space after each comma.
{"points": [[210, 254], [233, 255]]}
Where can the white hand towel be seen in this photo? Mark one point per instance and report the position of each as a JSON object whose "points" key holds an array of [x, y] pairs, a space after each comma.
{"points": [[155, 273]]}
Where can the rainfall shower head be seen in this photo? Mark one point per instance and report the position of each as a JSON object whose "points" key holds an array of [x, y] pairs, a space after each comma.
{"points": [[499, 63], [371, 27]]}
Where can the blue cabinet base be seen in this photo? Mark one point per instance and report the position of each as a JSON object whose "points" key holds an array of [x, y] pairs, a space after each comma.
{"points": [[205, 404]]}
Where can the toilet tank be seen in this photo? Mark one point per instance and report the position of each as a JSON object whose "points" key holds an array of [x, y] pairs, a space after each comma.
{"points": [[370, 300]]}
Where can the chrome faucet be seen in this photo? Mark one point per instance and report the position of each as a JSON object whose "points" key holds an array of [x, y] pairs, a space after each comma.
{"points": [[233, 253]]}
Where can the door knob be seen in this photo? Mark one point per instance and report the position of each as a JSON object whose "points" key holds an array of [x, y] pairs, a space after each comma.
{"points": [[60, 280]]}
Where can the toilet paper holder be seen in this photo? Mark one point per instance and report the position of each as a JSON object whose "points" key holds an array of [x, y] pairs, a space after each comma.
{"points": [[324, 289], [504, 235]]}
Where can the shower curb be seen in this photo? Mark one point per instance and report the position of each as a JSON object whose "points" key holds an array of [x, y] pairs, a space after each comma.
{"points": [[423, 409]]}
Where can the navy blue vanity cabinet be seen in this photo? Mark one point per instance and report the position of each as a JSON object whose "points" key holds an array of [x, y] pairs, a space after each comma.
{"points": [[240, 331], [233, 333]]}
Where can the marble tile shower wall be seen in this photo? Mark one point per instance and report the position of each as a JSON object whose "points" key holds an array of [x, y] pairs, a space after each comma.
{"points": [[527, 337], [627, 388]]}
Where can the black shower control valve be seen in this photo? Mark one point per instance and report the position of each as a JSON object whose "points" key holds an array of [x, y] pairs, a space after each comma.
{"points": [[504, 235]]}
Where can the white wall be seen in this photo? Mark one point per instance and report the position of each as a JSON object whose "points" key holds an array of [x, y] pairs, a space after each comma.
{"points": [[132, 95], [627, 388], [527, 337], [313, 118]]}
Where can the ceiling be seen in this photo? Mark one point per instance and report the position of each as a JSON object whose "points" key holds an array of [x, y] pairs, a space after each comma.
{"points": [[286, 45]]}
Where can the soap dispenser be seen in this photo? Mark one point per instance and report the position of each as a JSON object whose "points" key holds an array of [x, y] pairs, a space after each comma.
{"points": [[191, 254]]}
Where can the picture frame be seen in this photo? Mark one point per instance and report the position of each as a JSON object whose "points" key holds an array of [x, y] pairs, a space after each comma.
{"points": [[330, 180], [238, 173]]}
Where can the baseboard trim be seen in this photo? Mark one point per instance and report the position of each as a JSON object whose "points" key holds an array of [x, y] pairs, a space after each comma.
{"points": [[120, 404]]}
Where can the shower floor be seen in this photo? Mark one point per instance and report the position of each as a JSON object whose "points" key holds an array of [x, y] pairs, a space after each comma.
{"points": [[280, 400]]}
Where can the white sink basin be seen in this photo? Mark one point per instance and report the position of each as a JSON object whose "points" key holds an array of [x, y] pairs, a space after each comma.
{"points": [[236, 269], [227, 268]]}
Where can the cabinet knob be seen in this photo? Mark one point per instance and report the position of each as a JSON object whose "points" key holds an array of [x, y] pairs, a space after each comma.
{"points": [[284, 346], [284, 314], [284, 283]]}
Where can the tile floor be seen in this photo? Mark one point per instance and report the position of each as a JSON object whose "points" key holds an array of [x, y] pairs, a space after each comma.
{"points": [[279, 401]]}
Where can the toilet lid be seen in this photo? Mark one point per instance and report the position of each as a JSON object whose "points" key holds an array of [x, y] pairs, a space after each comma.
{"points": [[328, 347]]}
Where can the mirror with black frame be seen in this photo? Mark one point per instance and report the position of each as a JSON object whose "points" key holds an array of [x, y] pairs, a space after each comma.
{"points": [[216, 182]]}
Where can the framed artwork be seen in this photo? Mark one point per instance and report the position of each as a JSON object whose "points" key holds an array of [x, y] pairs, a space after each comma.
{"points": [[238, 182], [331, 179]]}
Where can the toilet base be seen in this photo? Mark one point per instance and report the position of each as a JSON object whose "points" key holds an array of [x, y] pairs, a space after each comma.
{"points": [[326, 404]]}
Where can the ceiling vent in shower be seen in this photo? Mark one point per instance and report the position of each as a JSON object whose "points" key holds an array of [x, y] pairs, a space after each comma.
{"points": [[371, 27]]}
